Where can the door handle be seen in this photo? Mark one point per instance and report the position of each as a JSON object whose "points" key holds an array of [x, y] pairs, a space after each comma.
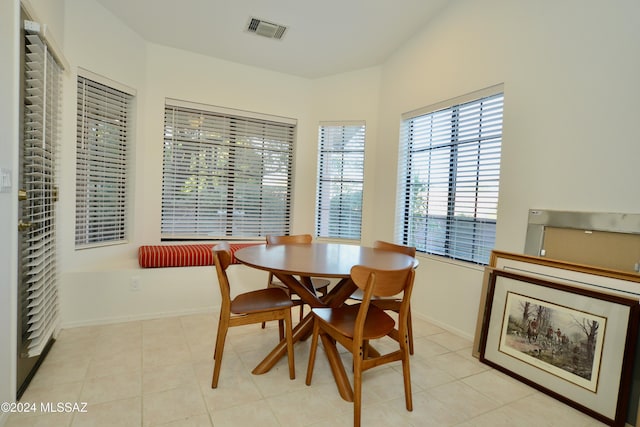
{"points": [[24, 226]]}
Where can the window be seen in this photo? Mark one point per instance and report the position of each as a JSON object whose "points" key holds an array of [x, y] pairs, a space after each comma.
{"points": [[340, 178], [449, 175], [102, 145], [225, 173]]}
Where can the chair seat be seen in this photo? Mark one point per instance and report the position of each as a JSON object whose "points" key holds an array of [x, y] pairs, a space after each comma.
{"points": [[358, 295], [342, 319], [260, 300], [320, 285]]}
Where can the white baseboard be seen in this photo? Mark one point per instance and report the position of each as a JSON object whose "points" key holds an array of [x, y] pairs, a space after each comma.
{"points": [[146, 316], [444, 326]]}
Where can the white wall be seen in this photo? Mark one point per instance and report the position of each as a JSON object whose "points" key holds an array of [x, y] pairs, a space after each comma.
{"points": [[97, 42], [350, 96], [570, 73], [570, 93], [95, 283], [9, 124], [49, 13], [177, 74]]}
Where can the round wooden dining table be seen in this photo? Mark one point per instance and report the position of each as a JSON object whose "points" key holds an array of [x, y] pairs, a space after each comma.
{"points": [[295, 264]]}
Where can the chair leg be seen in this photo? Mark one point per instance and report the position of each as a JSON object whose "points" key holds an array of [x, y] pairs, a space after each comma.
{"points": [[215, 346], [312, 351], [357, 385], [406, 374], [410, 331], [223, 326], [281, 329], [365, 349], [289, 333], [264, 324]]}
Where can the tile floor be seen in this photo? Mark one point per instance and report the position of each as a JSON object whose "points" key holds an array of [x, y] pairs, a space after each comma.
{"points": [[158, 373]]}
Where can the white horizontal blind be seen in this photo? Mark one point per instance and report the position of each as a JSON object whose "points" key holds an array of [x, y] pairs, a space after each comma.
{"points": [[103, 122], [38, 291], [340, 180], [449, 176], [225, 175]]}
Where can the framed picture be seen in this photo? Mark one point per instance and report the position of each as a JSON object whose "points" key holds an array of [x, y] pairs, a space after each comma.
{"points": [[575, 344], [590, 277]]}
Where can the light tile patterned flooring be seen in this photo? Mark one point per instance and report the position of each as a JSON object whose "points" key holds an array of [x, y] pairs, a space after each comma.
{"points": [[158, 373]]}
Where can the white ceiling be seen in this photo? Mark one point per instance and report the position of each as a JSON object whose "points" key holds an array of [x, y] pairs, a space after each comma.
{"points": [[323, 37]]}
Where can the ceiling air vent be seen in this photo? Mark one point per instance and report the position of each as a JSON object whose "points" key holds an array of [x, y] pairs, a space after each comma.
{"points": [[266, 29]]}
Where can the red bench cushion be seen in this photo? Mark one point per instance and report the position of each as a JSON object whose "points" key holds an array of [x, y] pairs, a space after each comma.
{"points": [[152, 256]]}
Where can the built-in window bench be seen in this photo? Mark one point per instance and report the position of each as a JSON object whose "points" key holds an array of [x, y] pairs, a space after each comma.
{"points": [[165, 280], [183, 255]]}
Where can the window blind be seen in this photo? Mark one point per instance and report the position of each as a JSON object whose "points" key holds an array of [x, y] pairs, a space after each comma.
{"points": [[340, 180], [103, 122], [38, 291], [449, 176], [225, 173]]}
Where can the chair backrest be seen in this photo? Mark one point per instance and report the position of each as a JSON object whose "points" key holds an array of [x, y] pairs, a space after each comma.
{"points": [[222, 260], [281, 240], [387, 246], [295, 238], [382, 283]]}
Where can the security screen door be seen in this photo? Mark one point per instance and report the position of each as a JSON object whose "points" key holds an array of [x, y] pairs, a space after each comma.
{"points": [[37, 286]]}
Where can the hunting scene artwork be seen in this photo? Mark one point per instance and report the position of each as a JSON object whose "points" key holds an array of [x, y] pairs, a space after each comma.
{"points": [[562, 341]]}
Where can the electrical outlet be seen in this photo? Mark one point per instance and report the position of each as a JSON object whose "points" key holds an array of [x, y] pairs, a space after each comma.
{"points": [[5, 180], [134, 284]]}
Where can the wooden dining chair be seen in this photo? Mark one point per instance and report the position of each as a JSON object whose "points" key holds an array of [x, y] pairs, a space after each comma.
{"points": [[354, 326], [321, 286], [393, 303], [247, 308]]}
